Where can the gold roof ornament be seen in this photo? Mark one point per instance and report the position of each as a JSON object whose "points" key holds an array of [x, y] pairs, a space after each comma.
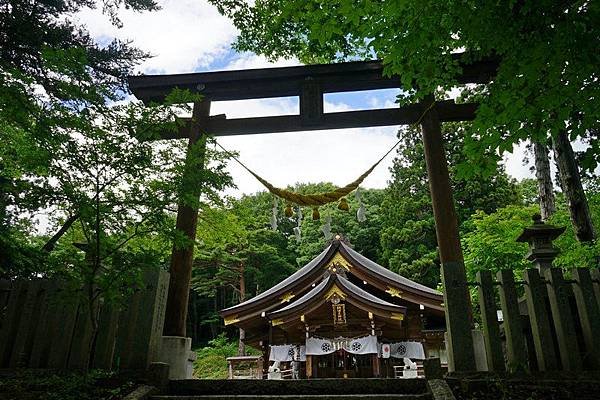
{"points": [[335, 291], [397, 316], [394, 292], [287, 297], [337, 262], [231, 320]]}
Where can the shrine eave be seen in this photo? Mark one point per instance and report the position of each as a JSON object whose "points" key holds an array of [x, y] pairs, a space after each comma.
{"points": [[336, 285]]}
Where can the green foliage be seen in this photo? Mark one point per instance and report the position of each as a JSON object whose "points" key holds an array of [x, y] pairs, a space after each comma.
{"points": [[546, 53], [211, 362], [46, 385], [491, 244], [408, 237]]}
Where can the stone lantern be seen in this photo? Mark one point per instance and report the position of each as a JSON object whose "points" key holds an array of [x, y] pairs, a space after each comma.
{"points": [[540, 237]]}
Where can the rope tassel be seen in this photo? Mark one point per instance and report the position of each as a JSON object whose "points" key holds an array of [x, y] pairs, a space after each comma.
{"points": [[344, 204], [316, 214], [288, 211]]}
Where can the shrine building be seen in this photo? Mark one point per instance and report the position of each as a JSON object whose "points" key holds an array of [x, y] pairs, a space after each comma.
{"points": [[343, 315]]}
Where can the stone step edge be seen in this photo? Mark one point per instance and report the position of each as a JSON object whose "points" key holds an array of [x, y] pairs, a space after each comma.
{"points": [[423, 396]]}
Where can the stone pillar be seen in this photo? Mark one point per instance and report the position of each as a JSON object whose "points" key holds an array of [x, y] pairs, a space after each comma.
{"points": [[540, 236], [456, 295], [140, 328], [481, 360]]}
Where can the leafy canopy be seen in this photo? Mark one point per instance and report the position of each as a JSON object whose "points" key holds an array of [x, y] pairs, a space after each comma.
{"points": [[547, 54]]}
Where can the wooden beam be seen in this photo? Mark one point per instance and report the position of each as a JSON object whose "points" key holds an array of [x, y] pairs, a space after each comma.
{"points": [[288, 81], [448, 111]]}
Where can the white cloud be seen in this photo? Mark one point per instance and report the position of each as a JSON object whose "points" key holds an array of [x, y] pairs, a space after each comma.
{"points": [[253, 61], [183, 36], [337, 156]]}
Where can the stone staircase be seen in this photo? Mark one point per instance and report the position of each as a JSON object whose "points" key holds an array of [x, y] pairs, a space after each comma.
{"points": [[321, 389]]}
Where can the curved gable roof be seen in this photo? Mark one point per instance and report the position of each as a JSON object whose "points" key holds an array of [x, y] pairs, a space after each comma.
{"points": [[390, 275], [299, 281], [318, 296], [284, 285]]}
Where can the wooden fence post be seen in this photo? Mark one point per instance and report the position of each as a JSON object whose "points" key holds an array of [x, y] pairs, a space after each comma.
{"points": [[596, 283], [589, 315], [536, 294], [489, 317], [515, 342], [27, 324], [43, 335], [10, 323], [558, 294]]}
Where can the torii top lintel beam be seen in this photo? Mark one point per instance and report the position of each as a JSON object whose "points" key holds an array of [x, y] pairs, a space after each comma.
{"points": [[288, 81]]}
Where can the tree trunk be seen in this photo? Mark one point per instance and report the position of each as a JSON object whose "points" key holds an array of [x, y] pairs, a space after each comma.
{"points": [[544, 179], [241, 344], [570, 182]]}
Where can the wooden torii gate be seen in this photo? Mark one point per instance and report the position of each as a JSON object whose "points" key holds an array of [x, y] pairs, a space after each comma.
{"points": [[310, 83]]}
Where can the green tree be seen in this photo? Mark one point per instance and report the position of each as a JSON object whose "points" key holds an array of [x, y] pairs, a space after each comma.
{"points": [[53, 79], [546, 54], [72, 151], [238, 256], [408, 235], [491, 243]]}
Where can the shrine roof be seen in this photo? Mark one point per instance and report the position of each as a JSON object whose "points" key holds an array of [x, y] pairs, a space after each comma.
{"points": [[348, 288], [300, 283], [378, 269], [315, 263]]}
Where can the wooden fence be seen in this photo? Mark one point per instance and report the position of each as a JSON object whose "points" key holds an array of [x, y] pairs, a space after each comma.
{"points": [[548, 322], [39, 328]]}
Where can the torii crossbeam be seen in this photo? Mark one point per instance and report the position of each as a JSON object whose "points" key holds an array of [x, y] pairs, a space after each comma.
{"points": [[309, 83]]}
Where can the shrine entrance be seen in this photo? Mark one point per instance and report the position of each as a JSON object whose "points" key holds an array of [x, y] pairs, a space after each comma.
{"points": [[342, 364], [309, 83]]}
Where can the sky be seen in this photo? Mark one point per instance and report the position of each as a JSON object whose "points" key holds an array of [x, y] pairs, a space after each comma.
{"points": [[191, 36]]}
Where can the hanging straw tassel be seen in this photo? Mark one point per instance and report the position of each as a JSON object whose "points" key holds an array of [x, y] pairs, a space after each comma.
{"points": [[316, 214], [288, 211], [344, 204]]}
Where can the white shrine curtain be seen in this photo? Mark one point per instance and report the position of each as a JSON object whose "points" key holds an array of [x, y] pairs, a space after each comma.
{"points": [[412, 350], [287, 352], [362, 345]]}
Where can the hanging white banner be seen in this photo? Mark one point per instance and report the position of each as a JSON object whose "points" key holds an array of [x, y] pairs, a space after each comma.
{"points": [[407, 349], [385, 350], [287, 352], [318, 347], [363, 345]]}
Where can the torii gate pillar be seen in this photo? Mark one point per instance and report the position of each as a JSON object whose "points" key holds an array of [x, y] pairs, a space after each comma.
{"points": [[456, 295], [182, 256]]}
